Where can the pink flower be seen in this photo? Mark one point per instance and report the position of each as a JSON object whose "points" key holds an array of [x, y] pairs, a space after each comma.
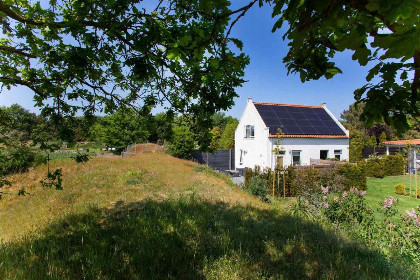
{"points": [[411, 214], [325, 205], [354, 190], [388, 202], [362, 194], [414, 216], [325, 190]]}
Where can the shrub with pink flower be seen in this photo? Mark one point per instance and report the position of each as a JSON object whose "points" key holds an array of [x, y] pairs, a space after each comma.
{"points": [[414, 216], [388, 202]]}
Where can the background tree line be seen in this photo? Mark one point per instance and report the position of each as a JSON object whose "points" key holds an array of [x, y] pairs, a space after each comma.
{"points": [[26, 131], [362, 136]]}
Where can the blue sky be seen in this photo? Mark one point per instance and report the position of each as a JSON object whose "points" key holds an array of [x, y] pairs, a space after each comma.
{"points": [[266, 75]]}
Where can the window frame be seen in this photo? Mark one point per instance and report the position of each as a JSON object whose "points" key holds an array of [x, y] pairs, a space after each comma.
{"points": [[337, 154], [327, 156], [251, 129], [293, 157]]}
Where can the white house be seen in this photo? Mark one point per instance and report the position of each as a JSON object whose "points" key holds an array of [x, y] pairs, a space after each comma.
{"points": [[288, 134]]}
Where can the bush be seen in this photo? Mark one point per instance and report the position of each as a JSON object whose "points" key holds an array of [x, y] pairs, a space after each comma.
{"points": [[258, 187], [305, 181], [354, 176], [17, 160], [394, 165], [386, 166], [375, 168], [400, 189]]}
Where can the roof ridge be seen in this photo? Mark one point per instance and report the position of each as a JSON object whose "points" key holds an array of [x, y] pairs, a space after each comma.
{"points": [[308, 135], [287, 105]]}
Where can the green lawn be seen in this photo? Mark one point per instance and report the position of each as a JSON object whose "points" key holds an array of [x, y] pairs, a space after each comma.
{"points": [[379, 189]]}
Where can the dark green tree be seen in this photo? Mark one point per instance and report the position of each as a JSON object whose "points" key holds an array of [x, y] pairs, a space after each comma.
{"points": [[124, 127], [182, 143], [227, 140], [160, 127]]}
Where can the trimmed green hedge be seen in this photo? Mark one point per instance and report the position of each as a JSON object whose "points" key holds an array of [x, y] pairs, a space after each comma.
{"points": [[392, 165]]}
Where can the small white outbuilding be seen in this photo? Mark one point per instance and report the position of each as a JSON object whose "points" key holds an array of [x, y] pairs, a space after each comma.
{"points": [[288, 134]]}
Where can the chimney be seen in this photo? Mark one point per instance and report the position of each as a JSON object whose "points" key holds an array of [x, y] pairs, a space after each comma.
{"points": [[323, 104], [249, 99]]}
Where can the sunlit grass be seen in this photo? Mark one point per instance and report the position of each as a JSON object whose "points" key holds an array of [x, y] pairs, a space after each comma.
{"points": [[152, 216], [379, 189]]}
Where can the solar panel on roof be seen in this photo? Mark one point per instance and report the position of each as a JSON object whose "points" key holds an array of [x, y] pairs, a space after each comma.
{"points": [[298, 120]]}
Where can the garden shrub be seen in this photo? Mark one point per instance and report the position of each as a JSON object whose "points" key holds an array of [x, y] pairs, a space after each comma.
{"points": [[304, 181], [258, 187], [400, 189], [375, 167], [354, 176], [17, 160], [394, 165]]}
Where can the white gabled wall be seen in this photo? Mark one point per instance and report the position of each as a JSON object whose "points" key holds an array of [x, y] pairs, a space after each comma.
{"points": [[310, 148], [257, 149]]}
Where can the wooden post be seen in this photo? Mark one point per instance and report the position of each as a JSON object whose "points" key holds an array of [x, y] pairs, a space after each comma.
{"points": [[284, 183], [274, 180], [278, 182], [415, 179]]}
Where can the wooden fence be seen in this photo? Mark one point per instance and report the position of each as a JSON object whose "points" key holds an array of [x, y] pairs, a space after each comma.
{"points": [[379, 151]]}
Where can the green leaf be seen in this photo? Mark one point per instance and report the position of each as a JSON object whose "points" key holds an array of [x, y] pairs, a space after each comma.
{"points": [[238, 43], [374, 71], [362, 55], [185, 40], [173, 54]]}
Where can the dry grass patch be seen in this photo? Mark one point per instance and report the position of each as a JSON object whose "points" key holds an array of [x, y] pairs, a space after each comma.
{"points": [[103, 181]]}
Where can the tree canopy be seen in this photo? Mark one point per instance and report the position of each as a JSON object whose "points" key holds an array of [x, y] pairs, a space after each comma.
{"points": [[79, 55], [180, 54], [385, 33]]}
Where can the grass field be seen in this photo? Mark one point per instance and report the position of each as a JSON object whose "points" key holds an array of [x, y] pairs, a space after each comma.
{"points": [[151, 216], [379, 189]]}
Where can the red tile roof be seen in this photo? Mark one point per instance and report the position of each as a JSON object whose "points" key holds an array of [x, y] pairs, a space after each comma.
{"points": [[308, 136], [403, 142]]}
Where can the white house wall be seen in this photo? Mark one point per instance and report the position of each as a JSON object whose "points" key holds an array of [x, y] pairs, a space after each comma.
{"points": [[257, 149], [310, 148]]}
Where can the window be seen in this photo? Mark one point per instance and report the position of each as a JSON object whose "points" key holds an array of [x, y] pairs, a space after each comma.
{"points": [[337, 154], [241, 157], [249, 131], [323, 154], [296, 157]]}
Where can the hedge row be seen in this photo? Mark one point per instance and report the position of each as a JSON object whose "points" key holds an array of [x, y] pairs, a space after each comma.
{"points": [[386, 166], [305, 180]]}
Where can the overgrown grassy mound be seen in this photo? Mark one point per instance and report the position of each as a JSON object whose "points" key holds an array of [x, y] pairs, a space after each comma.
{"points": [[152, 216]]}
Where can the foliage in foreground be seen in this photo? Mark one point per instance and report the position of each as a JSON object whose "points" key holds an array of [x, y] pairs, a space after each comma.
{"points": [[395, 237], [190, 238]]}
